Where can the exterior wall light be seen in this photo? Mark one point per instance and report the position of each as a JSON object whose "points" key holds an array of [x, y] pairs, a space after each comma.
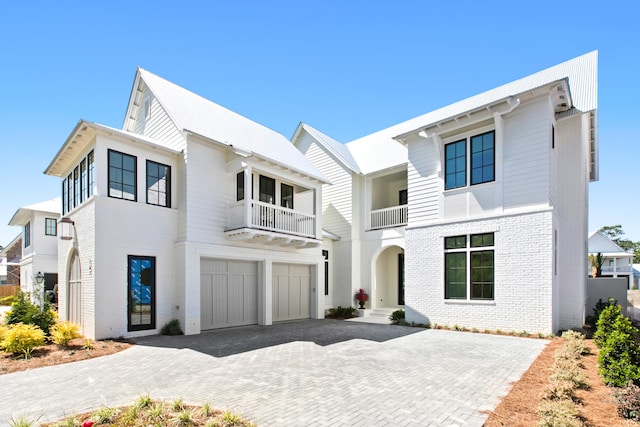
{"points": [[66, 229]]}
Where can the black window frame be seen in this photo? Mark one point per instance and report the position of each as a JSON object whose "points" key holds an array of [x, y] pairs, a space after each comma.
{"points": [[266, 181], [152, 166], [403, 197], [286, 200], [469, 267], [240, 186], [469, 163], [113, 184], [48, 227], [27, 234], [325, 255]]}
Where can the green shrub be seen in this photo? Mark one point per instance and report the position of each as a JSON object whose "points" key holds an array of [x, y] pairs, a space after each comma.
{"points": [[25, 311], [397, 317], [172, 327], [628, 400], [63, 332], [340, 312], [620, 355], [604, 326], [21, 338], [599, 308], [559, 390]]}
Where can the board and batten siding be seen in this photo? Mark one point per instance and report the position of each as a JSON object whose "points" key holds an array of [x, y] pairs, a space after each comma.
{"points": [[158, 125], [424, 184], [337, 211], [526, 168]]}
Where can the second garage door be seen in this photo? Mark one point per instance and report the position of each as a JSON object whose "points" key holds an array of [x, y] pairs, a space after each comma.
{"points": [[291, 291], [228, 293]]}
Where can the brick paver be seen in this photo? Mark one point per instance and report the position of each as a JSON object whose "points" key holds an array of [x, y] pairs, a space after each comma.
{"points": [[307, 373]]}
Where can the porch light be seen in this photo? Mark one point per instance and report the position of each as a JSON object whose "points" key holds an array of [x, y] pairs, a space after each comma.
{"points": [[39, 278], [66, 228]]}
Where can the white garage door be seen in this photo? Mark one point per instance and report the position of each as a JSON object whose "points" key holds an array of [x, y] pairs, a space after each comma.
{"points": [[291, 291], [228, 293]]}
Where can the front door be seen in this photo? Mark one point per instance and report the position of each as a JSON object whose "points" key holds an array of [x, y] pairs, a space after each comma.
{"points": [[141, 291], [74, 290]]}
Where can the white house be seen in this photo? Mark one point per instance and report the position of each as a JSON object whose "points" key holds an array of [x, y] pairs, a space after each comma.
{"points": [[191, 211], [617, 262], [486, 205], [39, 224]]}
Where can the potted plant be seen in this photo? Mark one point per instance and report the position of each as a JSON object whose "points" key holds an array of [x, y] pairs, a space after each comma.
{"points": [[362, 297]]}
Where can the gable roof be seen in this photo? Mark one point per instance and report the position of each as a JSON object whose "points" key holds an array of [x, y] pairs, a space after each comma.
{"points": [[192, 113], [23, 214], [599, 243], [379, 153], [338, 149]]}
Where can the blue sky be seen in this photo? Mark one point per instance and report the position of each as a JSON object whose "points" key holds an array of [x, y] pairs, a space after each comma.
{"points": [[348, 68]]}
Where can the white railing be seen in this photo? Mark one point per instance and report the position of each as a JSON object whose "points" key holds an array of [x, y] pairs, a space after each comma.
{"points": [[389, 217], [617, 269], [273, 218]]}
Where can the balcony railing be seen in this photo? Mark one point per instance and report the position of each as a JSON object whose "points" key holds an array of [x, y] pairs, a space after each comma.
{"points": [[617, 269], [266, 216], [389, 217]]}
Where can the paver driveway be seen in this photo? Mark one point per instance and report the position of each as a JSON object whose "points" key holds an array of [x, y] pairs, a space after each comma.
{"points": [[306, 373]]}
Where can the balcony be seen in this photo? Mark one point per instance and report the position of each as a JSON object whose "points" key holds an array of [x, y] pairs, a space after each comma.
{"points": [[271, 225], [395, 216]]}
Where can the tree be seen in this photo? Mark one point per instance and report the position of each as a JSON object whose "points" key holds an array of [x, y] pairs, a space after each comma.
{"points": [[615, 233]]}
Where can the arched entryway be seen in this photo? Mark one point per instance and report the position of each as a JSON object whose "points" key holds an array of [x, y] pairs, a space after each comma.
{"points": [[388, 271], [74, 289]]}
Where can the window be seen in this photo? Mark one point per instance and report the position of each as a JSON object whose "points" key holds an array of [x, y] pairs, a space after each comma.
{"points": [[482, 158], [158, 184], [27, 235], [286, 196], [402, 197], [122, 176], [325, 255], [469, 266], [482, 161], [76, 186], [267, 190], [90, 178], [83, 180], [456, 165], [70, 192], [240, 186], [141, 292], [50, 227], [65, 204]]}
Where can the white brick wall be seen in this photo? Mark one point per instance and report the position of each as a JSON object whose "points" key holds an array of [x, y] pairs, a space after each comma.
{"points": [[523, 275]]}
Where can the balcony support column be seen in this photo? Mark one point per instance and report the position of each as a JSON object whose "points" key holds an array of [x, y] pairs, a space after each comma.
{"points": [[317, 210], [248, 196]]}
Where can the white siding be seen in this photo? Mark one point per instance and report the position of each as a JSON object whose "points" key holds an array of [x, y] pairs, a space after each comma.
{"points": [[572, 208], [526, 155], [158, 124], [424, 184], [336, 198]]}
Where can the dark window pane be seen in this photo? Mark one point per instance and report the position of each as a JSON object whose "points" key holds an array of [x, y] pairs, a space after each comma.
{"points": [[455, 242], [482, 270], [286, 194], [483, 159], [267, 190], [455, 276]]}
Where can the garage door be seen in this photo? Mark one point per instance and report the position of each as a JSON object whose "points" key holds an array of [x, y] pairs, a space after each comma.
{"points": [[291, 291], [228, 292]]}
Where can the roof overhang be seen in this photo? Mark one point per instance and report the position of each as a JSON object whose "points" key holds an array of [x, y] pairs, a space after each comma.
{"points": [[558, 91], [83, 136]]}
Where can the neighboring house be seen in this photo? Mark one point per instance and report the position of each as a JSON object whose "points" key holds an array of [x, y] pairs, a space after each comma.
{"points": [[39, 246], [10, 256], [191, 212], [617, 262], [495, 230]]}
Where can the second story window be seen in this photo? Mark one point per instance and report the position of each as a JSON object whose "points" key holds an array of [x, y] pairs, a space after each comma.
{"points": [[481, 162], [158, 184], [267, 190], [77, 187], [122, 176], [50, 227], [240, 186], [286, 196], [27, 235]]}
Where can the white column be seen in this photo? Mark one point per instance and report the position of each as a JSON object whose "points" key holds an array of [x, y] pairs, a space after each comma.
{"points": [[248, 177]]}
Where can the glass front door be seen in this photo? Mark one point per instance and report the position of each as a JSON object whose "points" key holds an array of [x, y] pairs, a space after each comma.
{"points": [[141, 292]]}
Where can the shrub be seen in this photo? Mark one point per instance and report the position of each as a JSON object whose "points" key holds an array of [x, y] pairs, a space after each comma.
{"points": [[21, 338], [604, 326], [559, 390], [172, 327], [620, 355], [340, 312], [599, 308], [628, 400], [554, 413], [397, 317], [574, 343], [63, 332], [25, 311]]}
